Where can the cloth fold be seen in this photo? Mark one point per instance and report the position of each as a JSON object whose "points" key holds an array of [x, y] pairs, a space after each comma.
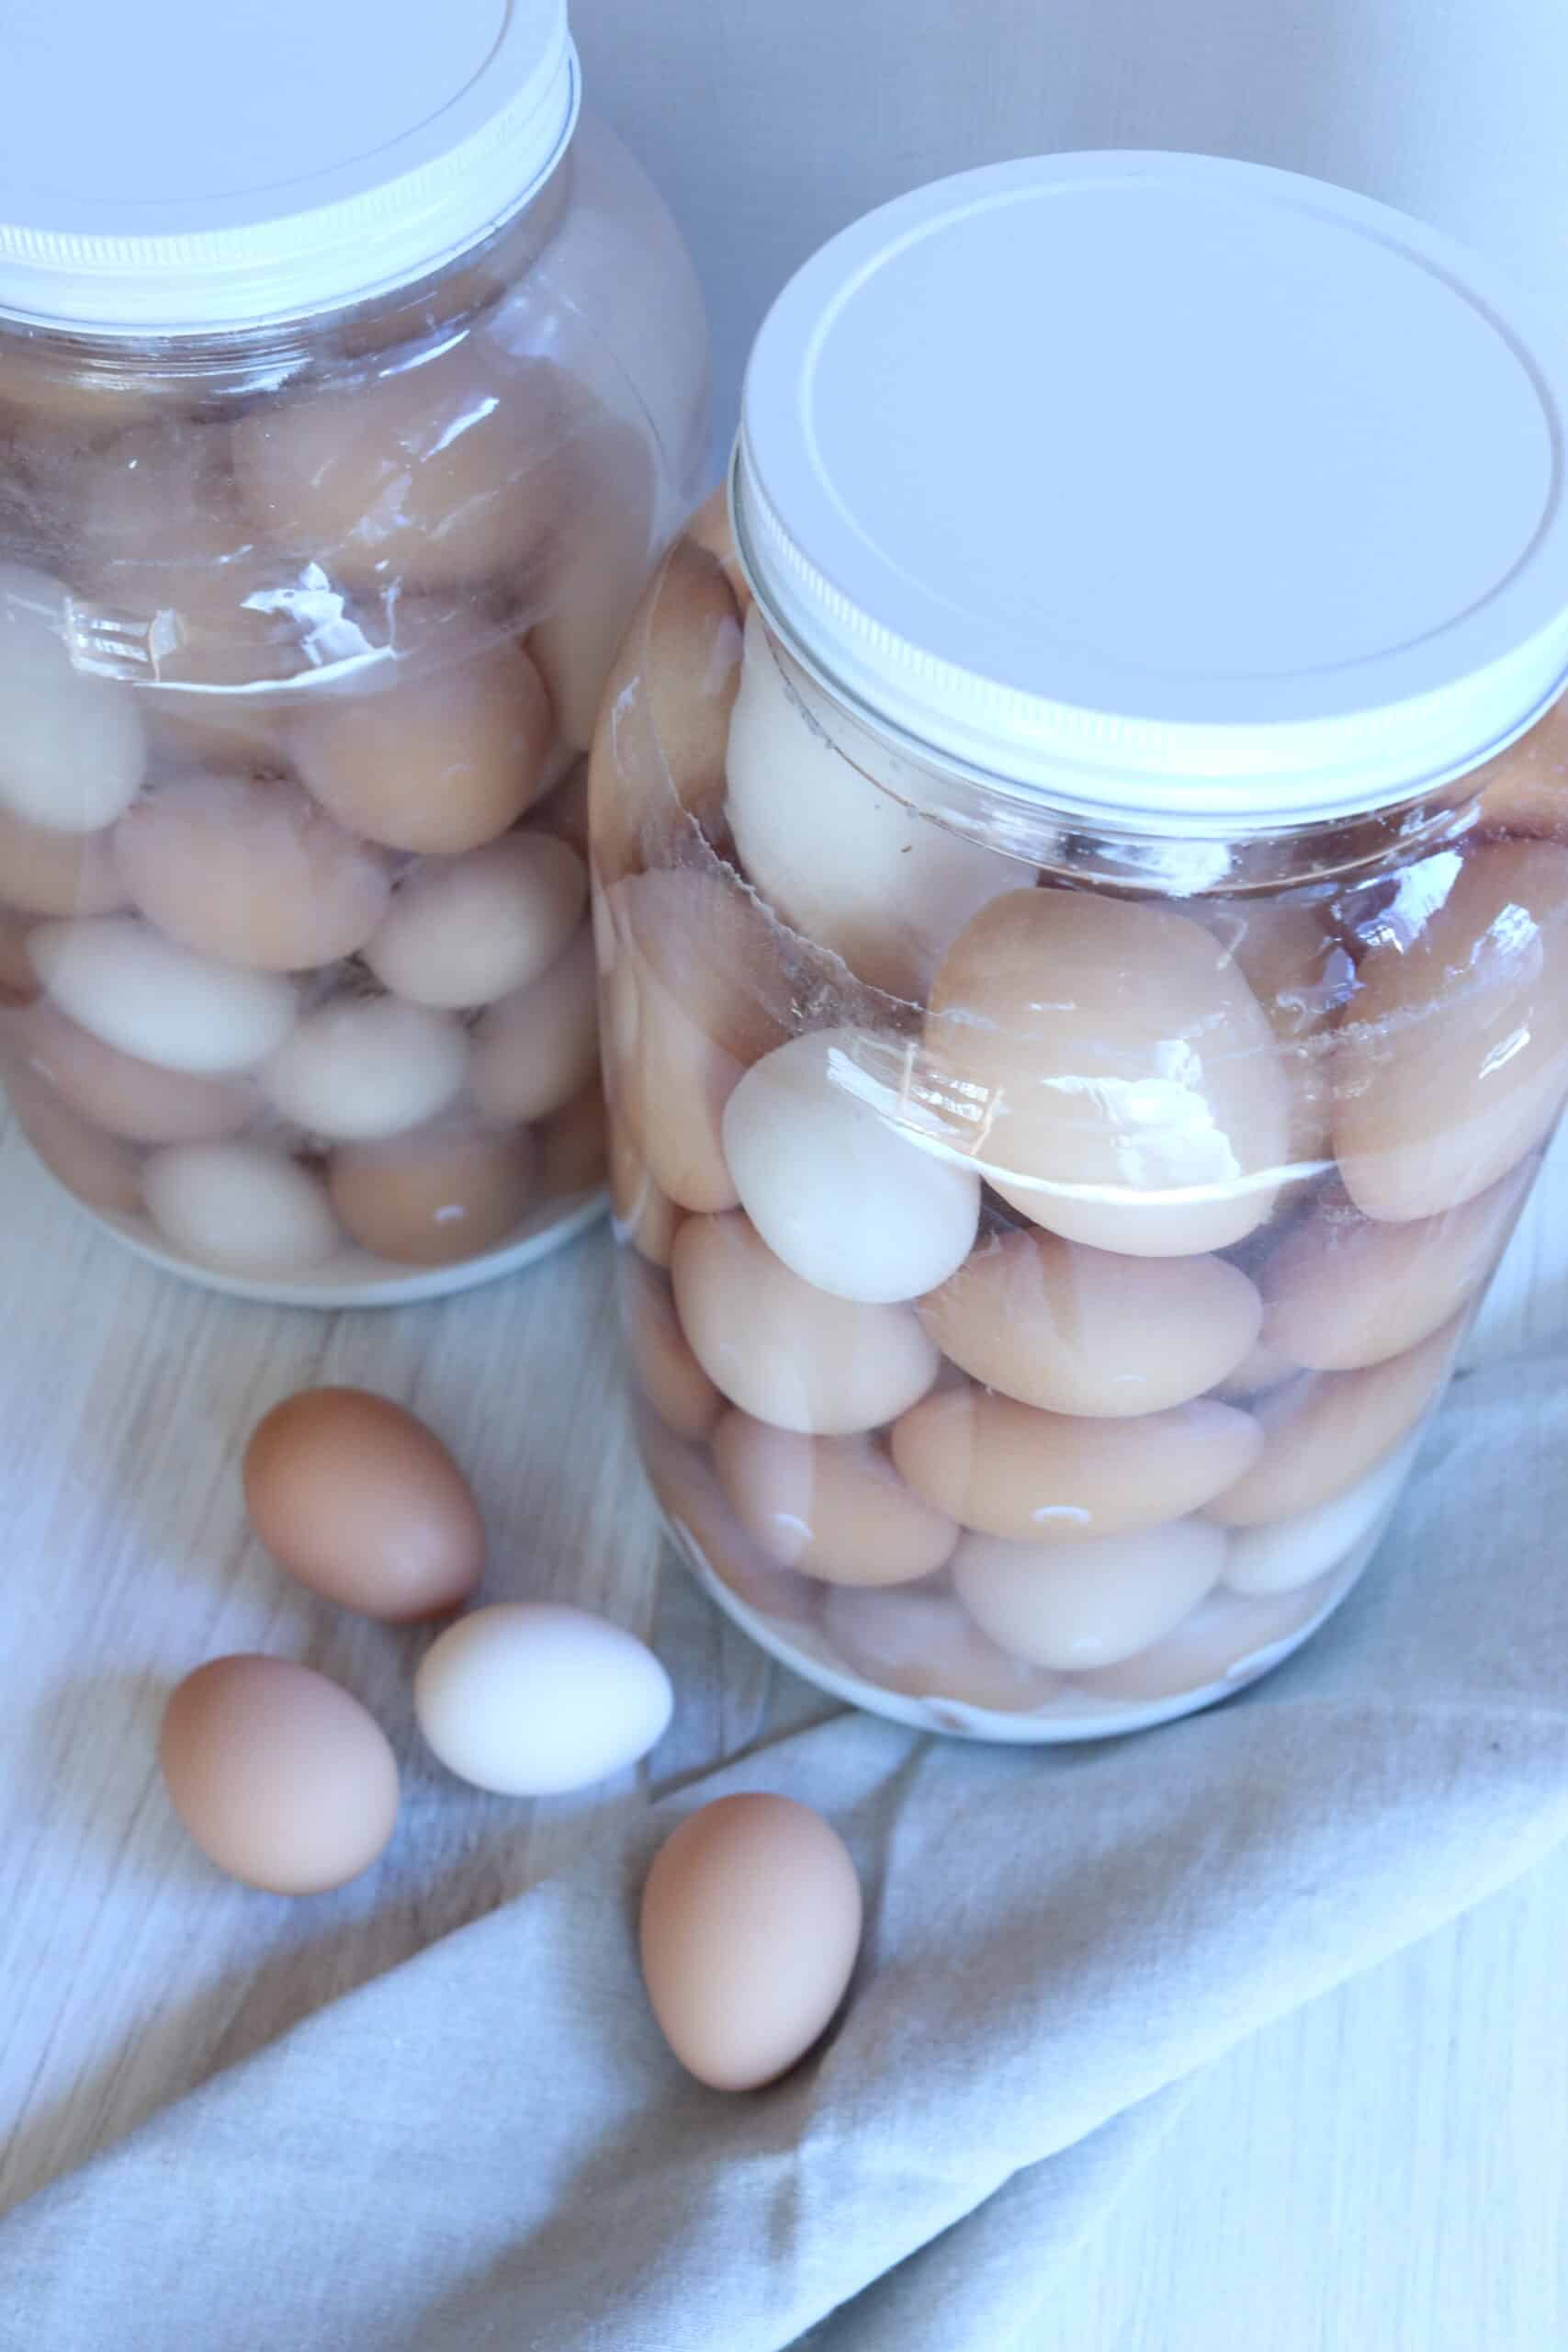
{"points": [[490, 2146]]}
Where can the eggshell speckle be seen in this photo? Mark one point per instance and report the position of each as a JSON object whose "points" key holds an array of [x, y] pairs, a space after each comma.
{"points": [[435, 1196], [124, 982], [925, 1645], [750, 1923], [534, 1050], [1138, 1102], [832, 1505], [1007, 1469], [531, 1698], [358, 1069], [834, 1184], [361, 1501], [240, 1207], [282, 1779], [1071, 1606], [49, 873], [1079, 1331], [784, 1352]]}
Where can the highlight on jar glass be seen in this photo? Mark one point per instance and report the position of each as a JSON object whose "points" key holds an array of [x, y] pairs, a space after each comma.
{"points": [[341, 426], [1081, 905]]}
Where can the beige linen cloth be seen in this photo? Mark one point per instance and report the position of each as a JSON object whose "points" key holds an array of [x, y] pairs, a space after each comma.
{"points": [[490, 2147]]}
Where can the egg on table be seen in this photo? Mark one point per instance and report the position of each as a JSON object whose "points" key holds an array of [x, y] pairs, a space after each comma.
{"points": [[533, 1698]]}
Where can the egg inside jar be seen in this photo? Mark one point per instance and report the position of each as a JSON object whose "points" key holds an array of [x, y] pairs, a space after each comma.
{"points": [[1047, 1226], [303, 625]]}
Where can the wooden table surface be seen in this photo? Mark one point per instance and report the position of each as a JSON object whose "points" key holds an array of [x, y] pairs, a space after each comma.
{"points": [[1386, 2171]]}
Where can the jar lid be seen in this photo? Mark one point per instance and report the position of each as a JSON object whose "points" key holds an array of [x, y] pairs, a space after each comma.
{"points": [[1164, 483], [204, 164]]}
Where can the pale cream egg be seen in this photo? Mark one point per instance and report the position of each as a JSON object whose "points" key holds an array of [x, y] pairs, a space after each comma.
{"points": [[1111, 1071], [1284, 1553], [672, 1380], [360, 1068], [925, 1645], [1225, 1639], [45, 871], [437, 1195], [73, 747], [242, 1208], [832, 1505], [129, 1097], [1078, 1605], [125, 983], [464, 930], [537, 1048]]}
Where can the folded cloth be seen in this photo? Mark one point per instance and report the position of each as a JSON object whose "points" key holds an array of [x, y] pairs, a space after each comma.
{"points": [[491, 2147]]}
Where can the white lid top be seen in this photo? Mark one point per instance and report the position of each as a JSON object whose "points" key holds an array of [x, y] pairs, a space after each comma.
{"points": [[1166, 485], [197, 165]]}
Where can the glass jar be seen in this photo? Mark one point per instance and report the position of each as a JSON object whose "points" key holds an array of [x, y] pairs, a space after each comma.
{"points": [[321, 512], [1084, 949]]}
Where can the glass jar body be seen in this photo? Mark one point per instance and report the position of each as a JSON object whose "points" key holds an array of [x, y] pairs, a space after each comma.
{"points": [[1042, 1247], [301, 635]]}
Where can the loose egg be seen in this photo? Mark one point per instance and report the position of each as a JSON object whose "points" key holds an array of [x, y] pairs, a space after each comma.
{"points": [[820, 814], [281, 1778], [440, 764], [531, 1698], [361, 1501], [242, 1208], [468, 929], [1286, 1553], [1072, 1606], [1225, 1639], [1323, 1432], [442, 472], [709, 529], [123, 981], [1453, 1061], [1079, 1331], [702, 1524], [1137, 1102], [434, 1196], [18, 981], [834, 1183], [131, 1098], [749, 1926], [255, 873], [1009, 1470], [1343, 1290], [832, 1505], [788, 1354], [534, 1050], [658, 747], [360, 1068], [672, 1380], [592, 576], [643, 1215], [707, 998], [103, 1171], [926, 1645], [49, 873], [574, 1146]]}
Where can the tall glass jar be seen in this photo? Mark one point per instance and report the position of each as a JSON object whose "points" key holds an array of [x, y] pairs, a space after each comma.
{"points": [[324, 504], [1081, 905]]}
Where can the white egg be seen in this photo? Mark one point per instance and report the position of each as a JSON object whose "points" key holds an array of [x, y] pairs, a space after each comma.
{"points": [[240, 1207], [361, 1069], [73, 750], [1285, 1553], [1073, 1606], [532, 1698], [468, 929], [835, 1186], [125, 983], [841, 859]]}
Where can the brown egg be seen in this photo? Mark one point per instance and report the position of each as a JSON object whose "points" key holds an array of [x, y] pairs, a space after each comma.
{"points": [[749, 1925], [1079, 1331], [1325, 1431], [659, 749], [672, 1380], [1524, 792], [18, 981], [255, 873], [442, 763], [102, 1170], [573, 1146], [1224, 1639], [444, 470], [536, 1048], [642, 1213], [1072, 1606], [1138, 1102], [1007, 1469], [141, 1101], [1454, 1059], [926, 1645], [832, 1505], [46, 873], [708, 998], [1292, 959], [45, 393], [709, 529], [787, 1353], [1343, 1291], [436, 1195], [282, 1779], [360, 1500], [681, 1478], [592, 576]]}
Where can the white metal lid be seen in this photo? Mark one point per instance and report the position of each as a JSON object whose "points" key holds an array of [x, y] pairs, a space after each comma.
{"points": [[1164, 483], [201, 165]]}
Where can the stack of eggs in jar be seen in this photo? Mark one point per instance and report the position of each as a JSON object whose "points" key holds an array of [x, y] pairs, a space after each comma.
{"points": [[302, 629], [1054, 1199]]}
